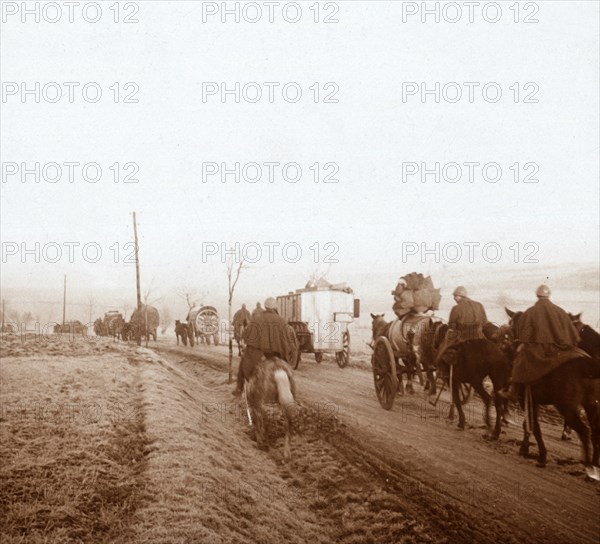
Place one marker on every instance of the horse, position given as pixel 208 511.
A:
pixel 590 343
pixel 181 330
pixel 412 348
pixel 590 339
pixel 114 327
pixel 127 332
pixel 272 382
pixel 99 328
pixel 570 386
pixel 472 361
pixel 238 336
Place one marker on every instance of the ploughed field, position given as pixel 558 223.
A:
pixel 102 441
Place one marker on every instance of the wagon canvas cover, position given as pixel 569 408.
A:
pixel 326 311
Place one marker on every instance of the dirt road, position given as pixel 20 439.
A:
pixel 379 469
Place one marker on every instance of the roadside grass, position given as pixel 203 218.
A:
pixel 71 448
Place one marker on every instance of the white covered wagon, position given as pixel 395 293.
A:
pixel 320 316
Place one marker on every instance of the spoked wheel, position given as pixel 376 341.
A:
pixel 319 356
pixel 384 373
pixel 342 358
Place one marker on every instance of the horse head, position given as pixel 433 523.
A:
pixel 514 318
pixel 378 326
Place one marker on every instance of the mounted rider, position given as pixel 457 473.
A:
pixel 241 318
pixel 547 338
pixel 267 335
pixel 257 311
pixel 466 322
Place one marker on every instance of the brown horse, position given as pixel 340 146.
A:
pixel 590 343
pixel 272 382
pixel 181 331
pixel 573 385
pixel 472 361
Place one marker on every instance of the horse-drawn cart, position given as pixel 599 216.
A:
pixel 320 316
pixel 204 321
pixel 407 346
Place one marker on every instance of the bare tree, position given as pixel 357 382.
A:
pixel 318 272
pixel 190 295
pixel 233 275
pixel 26 318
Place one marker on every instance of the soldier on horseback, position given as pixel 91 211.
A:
pixel 547 338
pixel 466 322
pixel 267 335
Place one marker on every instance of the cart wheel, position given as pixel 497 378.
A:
pixel 343 357
pixel 384 373
pixel 319 356
pixel 298 359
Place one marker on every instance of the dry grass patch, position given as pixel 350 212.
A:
pixel 208 480
pixel 71 445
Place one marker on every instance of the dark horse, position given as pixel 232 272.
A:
pixel 181 331
pixel 590 339
pixel 572 385
pixel 472 361
pixel 590 343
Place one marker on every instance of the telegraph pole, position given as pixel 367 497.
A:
pixel 137 264
pixel 64 300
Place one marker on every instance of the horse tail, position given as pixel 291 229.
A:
pixel 285 393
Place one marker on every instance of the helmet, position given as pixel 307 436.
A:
pixel 460 292
pixel 543 291
pixel 271 304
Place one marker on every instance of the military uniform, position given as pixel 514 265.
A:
pixel 466 322
pixel 467 319
pixel 257 311
pixel 268 335
pixel 549 339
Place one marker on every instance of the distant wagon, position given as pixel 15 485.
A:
pixel 204 321
pixel 144 323
pixel 113 323
pixel 71 327
pixel 320 314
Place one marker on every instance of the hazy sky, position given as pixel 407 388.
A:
pixel 373 221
